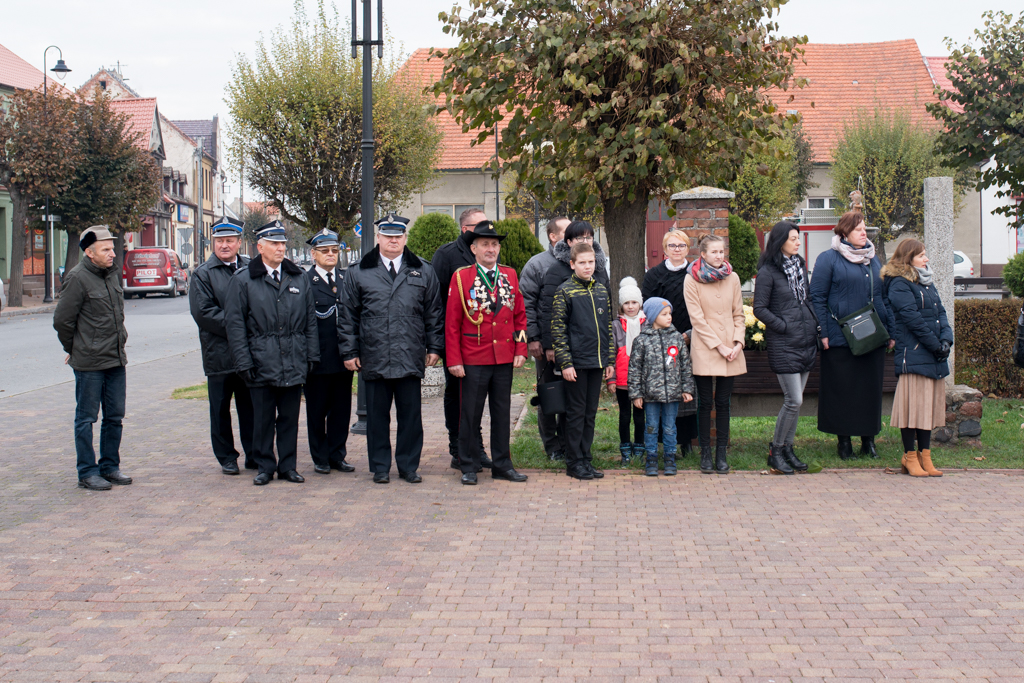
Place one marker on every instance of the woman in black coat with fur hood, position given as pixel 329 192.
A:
pixel 782 303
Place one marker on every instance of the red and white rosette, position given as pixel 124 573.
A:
pixel 673 351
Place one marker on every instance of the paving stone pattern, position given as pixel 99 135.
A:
pixel 189 575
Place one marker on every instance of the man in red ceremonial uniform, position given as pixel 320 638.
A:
pixel 485 338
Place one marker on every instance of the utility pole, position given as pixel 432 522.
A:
pixel 200 246
pixel 366 210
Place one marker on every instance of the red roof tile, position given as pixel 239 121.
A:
pixel 141 113
pixel 15 72
pixel 846 78
pixel 937 69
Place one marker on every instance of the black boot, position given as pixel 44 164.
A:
pixel 707 463
pixel 670 464
pixel 777 460
pixel 845 448
pixel 626 451
pixel 721 466
pixel 867 446
pixel 790 456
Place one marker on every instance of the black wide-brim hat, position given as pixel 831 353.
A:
pixel 485 229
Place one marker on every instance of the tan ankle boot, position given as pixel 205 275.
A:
pixel 912 465
pixel 926 464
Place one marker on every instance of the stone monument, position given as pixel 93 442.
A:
pixel 938 240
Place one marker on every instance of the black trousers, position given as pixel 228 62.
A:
pixel 453 413
pixel 328 410
pixel 721 387
pixel 276 409
pixel 581 401
pixel 220 389
pixel 405 393
pixel 551 427
pixel 492 383
pixel 628 411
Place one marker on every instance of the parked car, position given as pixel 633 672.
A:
pixel 153 271
pixel 962 266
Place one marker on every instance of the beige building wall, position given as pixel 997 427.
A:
pixel 454 192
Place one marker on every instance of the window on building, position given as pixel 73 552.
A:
pixel 821 203
pixel 446 209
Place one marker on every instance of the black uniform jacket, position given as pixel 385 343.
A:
pixel 206 296
pixel 272 327
pixel 327 301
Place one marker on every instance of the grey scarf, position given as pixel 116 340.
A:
pixel 925 275
pixel 795 275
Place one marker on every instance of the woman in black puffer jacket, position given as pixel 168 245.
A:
pixel 782 303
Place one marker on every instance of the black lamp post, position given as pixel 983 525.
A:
pixel 366 210
pixel 61 70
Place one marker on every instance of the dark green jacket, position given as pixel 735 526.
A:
pixel 581 325
pixel 90 317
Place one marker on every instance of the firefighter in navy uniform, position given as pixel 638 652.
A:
pixel 485 338
pixel 328 387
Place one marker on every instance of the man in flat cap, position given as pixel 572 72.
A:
pixel 271 324
pixel 390 331
pixel 90 326
pixel 206 297
pixel 329 386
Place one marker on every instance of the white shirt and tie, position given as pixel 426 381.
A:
pixel 393 266
pixel 274 273
pixel 327 276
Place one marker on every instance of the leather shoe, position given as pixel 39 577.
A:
pixel 115 477
pixel 343 466
pixel 411 477
pixel 508 475
pixel 867 446
pixel 263 478
pixel 845 448
pixel 469 479
pixel 381 478
pixel 96 483
pixel 322 469
pixel 292 476
pixel 579 472
pixel 485 462
pixel 229 468
pixel 595 473
pixel 454 464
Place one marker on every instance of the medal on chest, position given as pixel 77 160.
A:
pixel 670 356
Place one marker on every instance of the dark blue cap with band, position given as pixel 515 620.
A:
pixel 272 232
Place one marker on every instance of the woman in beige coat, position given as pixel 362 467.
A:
pixel 715 305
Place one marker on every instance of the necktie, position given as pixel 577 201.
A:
pixel 277 278
pixel 391 270
pixel 330 280
pixel 234 266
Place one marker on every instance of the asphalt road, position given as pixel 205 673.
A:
pixel 31 357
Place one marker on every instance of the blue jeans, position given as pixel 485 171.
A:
pixel 94 389
pixel 663 414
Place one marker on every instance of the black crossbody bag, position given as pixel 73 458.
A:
pixel 863 329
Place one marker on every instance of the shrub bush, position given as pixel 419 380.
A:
pixel 985 332
pixel 520 242
pixel 430 231
pixel 1013 275
pixel 744 251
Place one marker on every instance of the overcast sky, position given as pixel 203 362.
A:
pixel 182 52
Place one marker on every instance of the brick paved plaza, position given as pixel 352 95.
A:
pixel 189 575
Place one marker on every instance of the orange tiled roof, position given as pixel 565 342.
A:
pixel 140 113
pixel 846 78
pixel 937 69
pixel 271 210
pixel 15 72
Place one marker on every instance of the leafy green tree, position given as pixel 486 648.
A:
pixel 1013 275
pixel 520 242
pixel 116 183
pixel 744 250
pixel 770 184
pixel 297 122
pixel 988 84
pixel 254 217
pixel 887 156
pixel 430 231
pixel 38 158
pixel 611 102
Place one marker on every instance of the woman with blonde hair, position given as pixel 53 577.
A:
pixel 719 330
pixel 923 340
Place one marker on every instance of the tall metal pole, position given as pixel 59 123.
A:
pixel 366 209
pixel 497 178
pixel 197 241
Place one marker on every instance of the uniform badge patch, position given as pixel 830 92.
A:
pixel 293 290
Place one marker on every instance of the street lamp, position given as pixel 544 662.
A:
pixel 61 69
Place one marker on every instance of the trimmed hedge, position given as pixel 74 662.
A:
pixel 430 231
pixel 985 333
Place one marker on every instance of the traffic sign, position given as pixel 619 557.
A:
pixel 50 218
pixel 186 249
pixel 343 245
pixel 358 229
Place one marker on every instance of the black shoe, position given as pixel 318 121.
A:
pixel 251 465
pixel 508 475
pixel 95 482
pixel 558 456
pixel 721 466
pixel 777 463
pixel 485 462
pixel 454 464
pixel 594 473
pixel 322 469
pixel 867 446
pixel 411 477
pixel 845 448
pixel 794 462
pixel 229 468
pixel 707 463
pixel 263 478
pixel 381 478
pixel 469 479
pixel 343 466
pixel 579 472
pixel 292 476
pixel 115 477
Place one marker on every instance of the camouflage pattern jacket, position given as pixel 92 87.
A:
pixel 659 367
